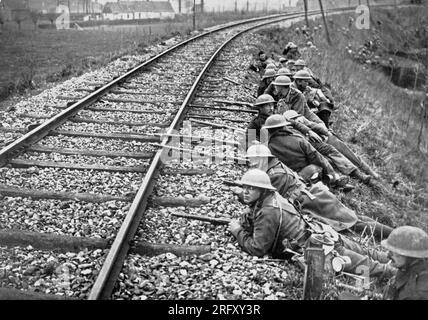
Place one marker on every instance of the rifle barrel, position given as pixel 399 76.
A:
pixel 202 218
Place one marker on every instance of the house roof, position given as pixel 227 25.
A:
pixel 138 6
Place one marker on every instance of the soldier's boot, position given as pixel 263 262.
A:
pixel 337 181
pixel 364 178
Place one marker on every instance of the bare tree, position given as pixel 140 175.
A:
pixel 35 16
pixel 51 16
pixel 2 18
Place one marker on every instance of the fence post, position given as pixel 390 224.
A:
pixel 314 271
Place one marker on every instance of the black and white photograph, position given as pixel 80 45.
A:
pixel 232 152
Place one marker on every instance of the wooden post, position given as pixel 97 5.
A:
pixel 305 3
pixel 313 281
pixel 371 13
pixel 325 23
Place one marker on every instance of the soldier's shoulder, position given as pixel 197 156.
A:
pixel 255 121
pixel 295 91
pixel 422 282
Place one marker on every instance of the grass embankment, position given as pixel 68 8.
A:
pixel 383 122
pixel 29 58
pixel 380 121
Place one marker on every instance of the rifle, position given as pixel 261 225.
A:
pixel 232 183
pixel 215 221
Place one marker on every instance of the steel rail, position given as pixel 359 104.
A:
pixel 42 130
pixel 113 263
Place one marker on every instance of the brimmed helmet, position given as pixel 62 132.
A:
pixel 269 73
pixel 291 45
pixel 290 115
pixel 257 178
pixel 275 121
pixel 302 75
pixel 264 99
pixel 408 241
pixel 258 150
pixel 284 72
pixel 300 63
pixel 282 81
pixel 270 66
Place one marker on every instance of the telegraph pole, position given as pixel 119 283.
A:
pixel 194 15
pixel 325 23
pixel 305 3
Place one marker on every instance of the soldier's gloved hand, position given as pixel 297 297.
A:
pixel 234 227
pixel 314 137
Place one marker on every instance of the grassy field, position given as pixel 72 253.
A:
pixel 29 58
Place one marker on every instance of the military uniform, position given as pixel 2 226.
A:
pixel 292 149
pixel 254 127
pixel 304 126
pixel 319 103
pixel 343 164
pixel 291 54
pixel 410 283
pixel 260 65
pixel 273 223
pixel 263 85
pixel 295 100
pixel 319 202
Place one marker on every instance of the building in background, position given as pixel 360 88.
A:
pixel 74 6
pixel 136 10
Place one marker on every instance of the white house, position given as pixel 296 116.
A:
pixel 135 10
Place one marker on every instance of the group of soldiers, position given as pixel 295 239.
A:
pixel 294 160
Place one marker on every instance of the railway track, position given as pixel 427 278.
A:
pixel 72 198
